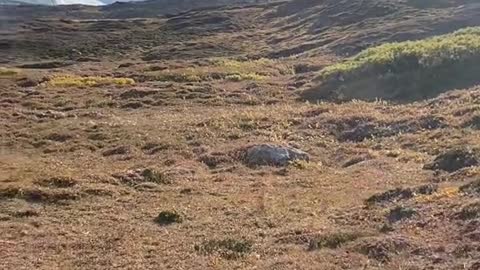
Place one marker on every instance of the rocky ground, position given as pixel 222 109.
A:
pixel 211 159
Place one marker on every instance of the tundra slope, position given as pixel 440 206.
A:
pixel 123 144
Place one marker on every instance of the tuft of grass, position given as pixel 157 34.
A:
pixel 168 217
pixel 157 177
pixel 410 69
pixel 300 164
pixel 89 81
pixel 227 248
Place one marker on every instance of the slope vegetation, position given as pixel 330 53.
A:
pixel 405 71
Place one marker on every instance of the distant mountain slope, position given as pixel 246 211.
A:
pixel 152 8
pixel 204 28
pixel 157 6
pixel 349 26
pixel 52 2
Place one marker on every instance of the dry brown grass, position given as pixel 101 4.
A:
pixel 119 177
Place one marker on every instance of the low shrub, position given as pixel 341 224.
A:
pixel 404 71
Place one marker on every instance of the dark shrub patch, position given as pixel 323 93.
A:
pixel 454 160
pixel 228 248
pixel 168 217
pixel 333 240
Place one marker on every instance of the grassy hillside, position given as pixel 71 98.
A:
pixel 405 70
pixel 179 142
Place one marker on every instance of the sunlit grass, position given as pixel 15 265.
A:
pixel 448 192
pixel 8 72
pixel 90 81
pixel 226 69
pixel 404 56
pixel 245 77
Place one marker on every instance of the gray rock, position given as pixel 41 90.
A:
pixel 273 155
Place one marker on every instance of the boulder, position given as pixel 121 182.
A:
pixel 273 155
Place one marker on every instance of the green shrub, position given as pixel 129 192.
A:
pixel 407 70
pixel 168 217
pixel 402 56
